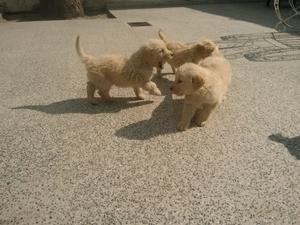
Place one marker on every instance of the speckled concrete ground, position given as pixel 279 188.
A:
pixel 64 161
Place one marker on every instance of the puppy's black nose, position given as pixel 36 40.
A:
pixel 171 89
pixel 172 54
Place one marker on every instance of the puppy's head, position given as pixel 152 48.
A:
pixel 189 78
pixel 155 53
pixel 204 48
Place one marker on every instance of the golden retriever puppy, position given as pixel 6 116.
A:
pixel 186 53
pixel 203 86
pixel 193 53
pixel 136 71
pixel 172 45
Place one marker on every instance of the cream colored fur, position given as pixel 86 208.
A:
pixel 204 87
pixel 172 45
pixel 186 53
pixel 136 71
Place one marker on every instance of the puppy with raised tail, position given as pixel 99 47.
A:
pixel 186 53
pixel 204 87
pixel 136 71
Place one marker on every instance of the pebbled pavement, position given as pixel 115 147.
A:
pixel 64 161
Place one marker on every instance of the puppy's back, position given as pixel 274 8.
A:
pixel 107 65
pixel 219 66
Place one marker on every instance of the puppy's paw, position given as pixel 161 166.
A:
pixel 140 97
pixel 156 92
pixel 182 126
pixel 200 123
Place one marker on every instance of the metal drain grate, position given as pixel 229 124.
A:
pixel 139 24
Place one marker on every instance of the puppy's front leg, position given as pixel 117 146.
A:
pixel 139 93
pixel 173 69
pixel 152 88
pixel 187 114
pixel 203 115
pixel 158 72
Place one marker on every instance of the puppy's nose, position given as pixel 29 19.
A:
pixel 171 88
pixel 172 54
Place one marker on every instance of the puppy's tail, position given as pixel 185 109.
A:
pixel 162 36
pixel 82 55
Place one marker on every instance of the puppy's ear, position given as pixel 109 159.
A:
pixel 209 47
pixel 200 47
pixel 197 81
pixel 145 48
pixel 144 52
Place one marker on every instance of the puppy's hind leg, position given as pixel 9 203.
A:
pixel 103 89
pixel 139 93
pixel 202 115
pixel 90 89
pixel 104 92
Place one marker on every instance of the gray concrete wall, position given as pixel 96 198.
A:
pixel 19 5
pixel 27 5
pixel 94 4
pixel 149 3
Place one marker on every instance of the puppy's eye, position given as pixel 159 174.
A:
pixel 179 81
pixel 162 50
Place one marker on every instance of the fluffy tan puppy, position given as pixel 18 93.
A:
pixel 136 71
pixel 172 45
pixel 203 86
pixel 186 53
pixel 193 53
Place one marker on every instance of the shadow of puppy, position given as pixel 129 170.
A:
pixel 163 121
pixel 81 105
pixel 292 144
